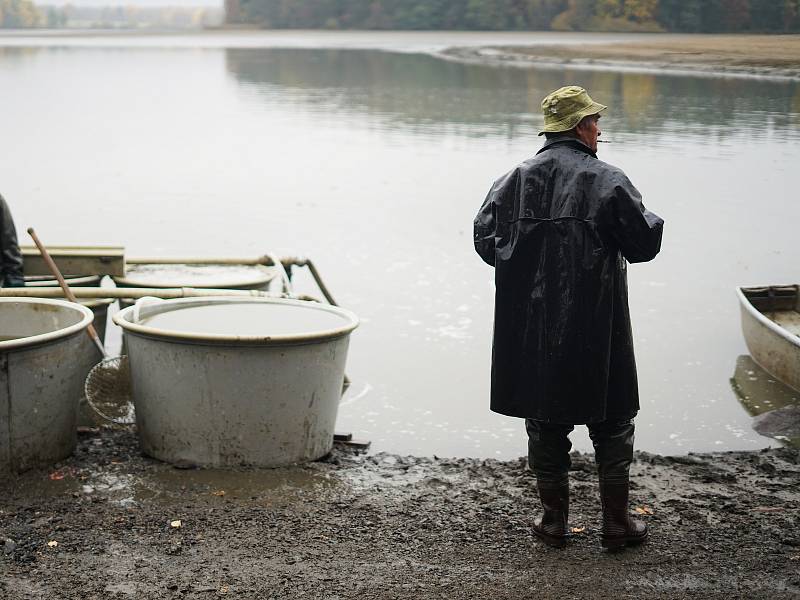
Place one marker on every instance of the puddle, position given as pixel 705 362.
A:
pixel 271 485
pixel 162 483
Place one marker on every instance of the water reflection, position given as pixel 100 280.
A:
pixel 775 405
pixel 420 91
pixel 403 91
pixel 18 58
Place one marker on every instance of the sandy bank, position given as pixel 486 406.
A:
pixel 386 526
pixel 771 56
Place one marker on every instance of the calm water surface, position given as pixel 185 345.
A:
pixel 371 156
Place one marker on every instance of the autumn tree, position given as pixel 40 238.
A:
pixel 640 11
pixel 19 14
pixel 576 15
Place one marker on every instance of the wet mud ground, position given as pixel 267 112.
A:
pixel 111 523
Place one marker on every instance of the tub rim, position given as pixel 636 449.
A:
pixel 97 302
pixel 34 340
pixel 121 319
pixel 46 281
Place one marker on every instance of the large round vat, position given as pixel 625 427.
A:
pixel 99 306
pixel 222 382
pixel 41 379
pixel 229 277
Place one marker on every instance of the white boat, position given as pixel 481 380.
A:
pixel 771 327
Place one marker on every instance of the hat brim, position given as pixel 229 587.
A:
pixel 572 120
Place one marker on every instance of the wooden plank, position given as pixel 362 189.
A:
pixel 357 444
pixel 76 260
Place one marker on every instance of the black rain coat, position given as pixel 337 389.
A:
pixel 558 230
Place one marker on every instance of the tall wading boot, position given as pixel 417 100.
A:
pixel 552 527
pixel 619 529
pixel 613 447
pixel 548 456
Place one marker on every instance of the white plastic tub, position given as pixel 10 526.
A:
pixel 230 277
pixel 227 381
pixel 43 355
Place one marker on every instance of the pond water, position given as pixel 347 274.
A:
pixel 371 156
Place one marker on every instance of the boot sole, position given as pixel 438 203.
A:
pixel 620 543
pixel 550 540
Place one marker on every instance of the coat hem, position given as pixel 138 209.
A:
pixel 589 421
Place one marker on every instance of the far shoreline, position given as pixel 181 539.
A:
pixel 728 55
pixel 740 55
pixel 760 56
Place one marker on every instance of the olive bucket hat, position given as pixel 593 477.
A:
pixel 564 108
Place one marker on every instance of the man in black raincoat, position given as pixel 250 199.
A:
pixel 10 256
pixel 559 230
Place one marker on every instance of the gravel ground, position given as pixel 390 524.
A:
pixel 110 523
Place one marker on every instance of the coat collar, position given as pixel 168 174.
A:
pixel 567 140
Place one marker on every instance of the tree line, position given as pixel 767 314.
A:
pixel 21 14
pixel 708 16
pixel 18 14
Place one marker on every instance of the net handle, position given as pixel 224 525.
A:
pixel 65 286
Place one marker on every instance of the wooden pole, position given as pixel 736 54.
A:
pixel 67 291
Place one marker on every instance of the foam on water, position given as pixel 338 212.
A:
pixel 157 275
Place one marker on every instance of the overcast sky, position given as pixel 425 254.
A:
pixel 130 2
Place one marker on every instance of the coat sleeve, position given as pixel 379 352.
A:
pixel 486 223
pixel 10 256
pixel 636 230
pixel 485 228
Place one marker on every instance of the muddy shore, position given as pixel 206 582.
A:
pixel 773 56
pixel 111 523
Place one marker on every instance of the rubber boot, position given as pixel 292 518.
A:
pixel 548 456
pixel 619 529
pixel 552 527
pixel 613 447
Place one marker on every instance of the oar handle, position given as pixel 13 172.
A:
pixel 64 286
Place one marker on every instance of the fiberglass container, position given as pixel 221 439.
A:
pixel 44 351
pixel 222 382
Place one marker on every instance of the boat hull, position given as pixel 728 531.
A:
pixel 772 347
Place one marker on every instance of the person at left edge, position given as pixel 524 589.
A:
pixel 10 256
